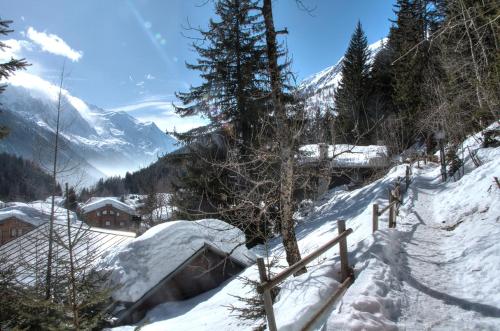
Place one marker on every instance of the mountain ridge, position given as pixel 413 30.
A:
pixel 97 141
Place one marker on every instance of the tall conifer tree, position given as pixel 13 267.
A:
pixel 351 95
pixel 231 64
pixel 407 44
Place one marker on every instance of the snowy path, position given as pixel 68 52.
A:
pixel 433 295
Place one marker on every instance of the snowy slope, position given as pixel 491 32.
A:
pixel 437 270
pixel 319 89
pixel 99 141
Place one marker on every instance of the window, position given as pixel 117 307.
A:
pixel 98 213
pixel 13 233
pixel 108 223
pixel 104 212
pixel 117 213
pixel 111 212
pixel 122 223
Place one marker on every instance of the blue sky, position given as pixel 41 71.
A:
pixel 130 54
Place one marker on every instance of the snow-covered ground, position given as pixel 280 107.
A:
pixel 437 270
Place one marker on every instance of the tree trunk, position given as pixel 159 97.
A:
pixel 48 276
pixel 285 141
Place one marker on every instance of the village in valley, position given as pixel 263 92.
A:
pixel 246 172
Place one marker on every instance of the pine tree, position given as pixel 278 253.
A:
pixel 8 68
pixel 380 102
pixel 71 201
pixel 231 64
pixel 408 47
pixel 233 96
pixel 351 95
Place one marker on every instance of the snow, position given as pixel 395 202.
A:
pixel 28 252
pixel 319 88
pixel 25 214
pixel 142 263
pixel 96 203
pixel 344 155
pixel 35 213
pixel 437 270
pixel 97 140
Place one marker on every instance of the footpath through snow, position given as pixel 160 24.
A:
pixel 439 270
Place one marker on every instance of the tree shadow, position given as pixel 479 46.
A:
pixel 405 271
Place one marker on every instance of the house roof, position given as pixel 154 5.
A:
pixel 96 203
pixel 145 261
pixel 28 253
pixel 24 213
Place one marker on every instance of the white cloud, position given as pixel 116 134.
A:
pixel 14 49
pixel 150 77
pixel 163 115
pixel 141 83
pixel 54 44
pixel 163 105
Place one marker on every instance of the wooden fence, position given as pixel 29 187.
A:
pixel 267 284
pixel 395 200
pixel 347 275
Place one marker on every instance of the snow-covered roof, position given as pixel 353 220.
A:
pixel 24 213
pixel 96 203
pixel 346 156
pixel 28 252
pixel 145 261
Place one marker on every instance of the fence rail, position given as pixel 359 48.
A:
pixel 266 285
pixel 395 200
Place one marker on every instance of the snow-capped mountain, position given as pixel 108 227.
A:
pixel 94 141
pixel 319 89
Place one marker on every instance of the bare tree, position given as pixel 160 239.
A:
pixel 285 140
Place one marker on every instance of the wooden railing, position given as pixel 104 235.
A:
pixel 267 284
pixel 395 200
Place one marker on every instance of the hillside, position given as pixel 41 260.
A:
pixel 97 141
pixel 22 180
pixel 437 268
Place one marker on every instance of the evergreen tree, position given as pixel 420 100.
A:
pixel 8 68
pixel 471 58
pixel 408 47
pixel 233 96
pixel 231 64
pixel 380 102
pixel 351 95
pixel 71 200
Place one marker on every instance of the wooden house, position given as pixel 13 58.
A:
pixel 18 220
pixel 110 213
pixel 206 269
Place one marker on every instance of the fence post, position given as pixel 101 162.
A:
pixel 391 210
pixel 375 217
pixel 268 301
pixel 407 177
pixel 344 262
